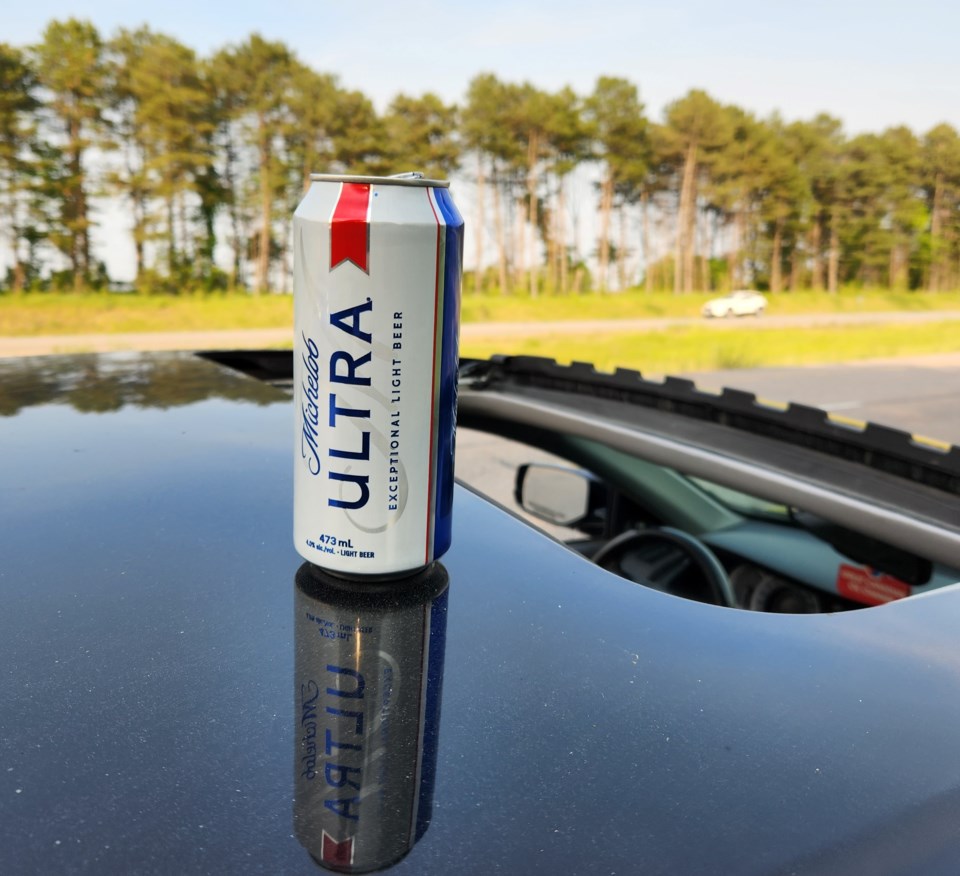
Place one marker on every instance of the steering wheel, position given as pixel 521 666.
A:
pixel 662 557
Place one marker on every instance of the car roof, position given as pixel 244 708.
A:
pixel 587 724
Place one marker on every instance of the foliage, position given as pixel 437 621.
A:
pixel 65 313
pixel 162 110
pixel 421 133
pixel 71 70
pixel 216 151
pixel 18 176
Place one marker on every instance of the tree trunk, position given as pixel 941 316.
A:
pixel 139 216
pixel 171 239
pixel 550 232
pixel 702 263
pixel 263 246
pixel 739 272
pixel 576 250
pixel 533 152
pixel 645 242
pixel 138 247
pixel 833 268
pixel 895 271
pixel 936 244
pixel 84 226
pixel 776 269
pixel 795 268
pixel 16 235
pixel 691 225
pixel 622 250
pixel 816 281
pixel 713 223
pixel 186 248
pixel 606 208
pixel 562 236
pixel 732 252
pixel 229 177
pixel 285 261
pixel 947 277
pixel 76 209
pixel 481 185
pixel 519 244
pixel 501 236
pixel 682 263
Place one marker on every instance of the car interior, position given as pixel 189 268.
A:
pixel 685 535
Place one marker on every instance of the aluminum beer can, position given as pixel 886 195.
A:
pixel 377 272
pixel 369 672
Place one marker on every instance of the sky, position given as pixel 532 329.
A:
pixel 872 63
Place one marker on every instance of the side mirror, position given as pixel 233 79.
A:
pixel 562 496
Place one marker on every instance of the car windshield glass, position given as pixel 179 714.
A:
pixel 743 503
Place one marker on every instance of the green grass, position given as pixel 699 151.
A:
pixel 703 349
pixel 693 348
pixel 638 305
pixel 63 314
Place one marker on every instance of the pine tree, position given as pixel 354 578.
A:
pixel 165 115
pixel 255 81
pixel 696 129
pixel 72 72
pixel 621 133
pixel 487 135
pixel 17 106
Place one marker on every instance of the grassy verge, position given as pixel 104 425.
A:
pixel 52 314
pixel 638 305
pixel 62 314
pixel 701 349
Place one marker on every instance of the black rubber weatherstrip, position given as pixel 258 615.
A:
pixel 882 448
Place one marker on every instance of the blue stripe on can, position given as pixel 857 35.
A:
pixel 449 361
pixel 431 713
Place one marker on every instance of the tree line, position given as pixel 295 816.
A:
pixel 208 152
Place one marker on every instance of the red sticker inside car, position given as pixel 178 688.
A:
pixel 871 588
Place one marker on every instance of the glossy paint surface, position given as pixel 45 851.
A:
pixel 587 724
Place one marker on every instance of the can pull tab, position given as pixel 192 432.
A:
pixel 410 174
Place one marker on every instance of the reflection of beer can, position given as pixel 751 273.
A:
pixel 369 668
pixel 377 265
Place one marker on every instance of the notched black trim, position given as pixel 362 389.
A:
pixel 885 449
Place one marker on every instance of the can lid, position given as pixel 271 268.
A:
pixel 412 178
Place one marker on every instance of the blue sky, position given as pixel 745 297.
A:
pixel 873 64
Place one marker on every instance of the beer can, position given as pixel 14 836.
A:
pixel 369 672
pixel 377 272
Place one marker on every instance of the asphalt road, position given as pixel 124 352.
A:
pixel 920 395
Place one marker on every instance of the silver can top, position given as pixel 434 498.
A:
pixel 413 178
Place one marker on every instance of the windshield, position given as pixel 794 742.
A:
pixel 743 503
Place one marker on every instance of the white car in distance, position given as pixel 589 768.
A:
pixel 742 302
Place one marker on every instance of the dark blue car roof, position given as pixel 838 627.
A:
pixel 588 725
